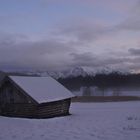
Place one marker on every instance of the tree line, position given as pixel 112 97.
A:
pixel 113 79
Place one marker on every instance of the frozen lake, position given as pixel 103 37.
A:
pixel 110 91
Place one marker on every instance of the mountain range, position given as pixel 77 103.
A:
pixel 75 72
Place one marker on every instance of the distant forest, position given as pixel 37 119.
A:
pixel 101 80
pixel 114 79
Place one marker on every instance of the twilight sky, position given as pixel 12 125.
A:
pixel 63 34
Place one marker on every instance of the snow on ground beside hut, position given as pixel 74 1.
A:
pixel 89 121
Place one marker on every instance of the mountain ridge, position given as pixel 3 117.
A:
pixel 74 72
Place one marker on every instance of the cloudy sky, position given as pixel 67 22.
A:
pixel 63 34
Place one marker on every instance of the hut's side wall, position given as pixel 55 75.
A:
pixel 25 110
pixel 14 103
pixel 44 110
pixel 10 94
pixel 53 109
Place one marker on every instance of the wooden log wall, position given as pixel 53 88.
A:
pixel 44 110
pixel 19 110
pixel 52 109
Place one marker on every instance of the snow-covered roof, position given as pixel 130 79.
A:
pixel 42 89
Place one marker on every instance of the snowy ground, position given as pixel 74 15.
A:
pixel 90 121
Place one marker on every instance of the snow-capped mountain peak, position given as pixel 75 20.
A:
pixel 74 72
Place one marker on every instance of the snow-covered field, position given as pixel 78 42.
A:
pixel 89 121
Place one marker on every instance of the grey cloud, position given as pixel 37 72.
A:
pixel 55 54
pixel 90 60
pixel 86 30
pixel 133 66
pixel 135 52
pixel 126 63
pixel 84 59
pixel 83 31
pixel 29 54
pixel 132 22
pixel 135 61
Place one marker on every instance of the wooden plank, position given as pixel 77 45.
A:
pixel 45 110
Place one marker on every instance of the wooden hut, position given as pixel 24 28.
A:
pixel 33 97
